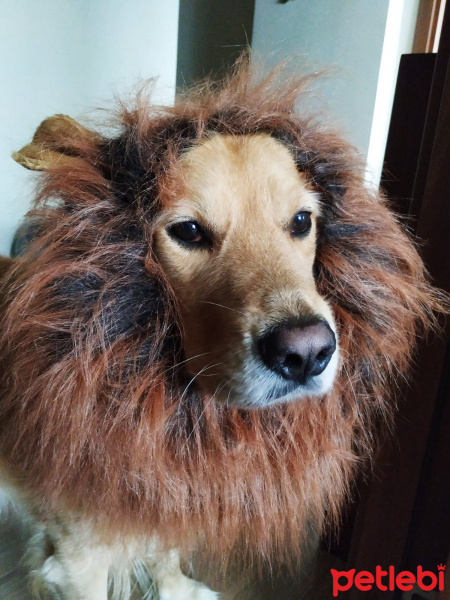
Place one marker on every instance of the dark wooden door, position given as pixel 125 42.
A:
pixel 403 518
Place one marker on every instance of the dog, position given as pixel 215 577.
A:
pixel 198 340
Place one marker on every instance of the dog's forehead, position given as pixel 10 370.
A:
pixel 227 174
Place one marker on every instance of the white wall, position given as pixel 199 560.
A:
pixel 351 37
pixel 345 36
pixel 71 56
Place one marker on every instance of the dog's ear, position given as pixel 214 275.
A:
pixel 47 149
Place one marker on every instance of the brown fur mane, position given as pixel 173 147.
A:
pixel 94 414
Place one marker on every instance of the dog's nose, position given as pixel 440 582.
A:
pixel 298 351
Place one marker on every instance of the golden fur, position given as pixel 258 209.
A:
pixel 108 322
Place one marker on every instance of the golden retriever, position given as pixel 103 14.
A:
pixel 195 344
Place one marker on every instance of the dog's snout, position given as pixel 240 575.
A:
pixel 298 351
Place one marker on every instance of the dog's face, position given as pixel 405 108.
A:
pixel 238 250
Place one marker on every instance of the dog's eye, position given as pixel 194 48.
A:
pixel 301 224
pixel 189 233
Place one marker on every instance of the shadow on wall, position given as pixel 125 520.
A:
pixel 210 36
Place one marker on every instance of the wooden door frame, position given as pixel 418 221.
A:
pixel 427 25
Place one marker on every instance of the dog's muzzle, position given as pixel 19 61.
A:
pixel 298 351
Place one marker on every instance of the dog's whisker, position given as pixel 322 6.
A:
pixel 223 306
pixel 179 364
pixel 196 424
pixel 183 395
pixel 227 400
pixel 351 385
pixel 202 370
